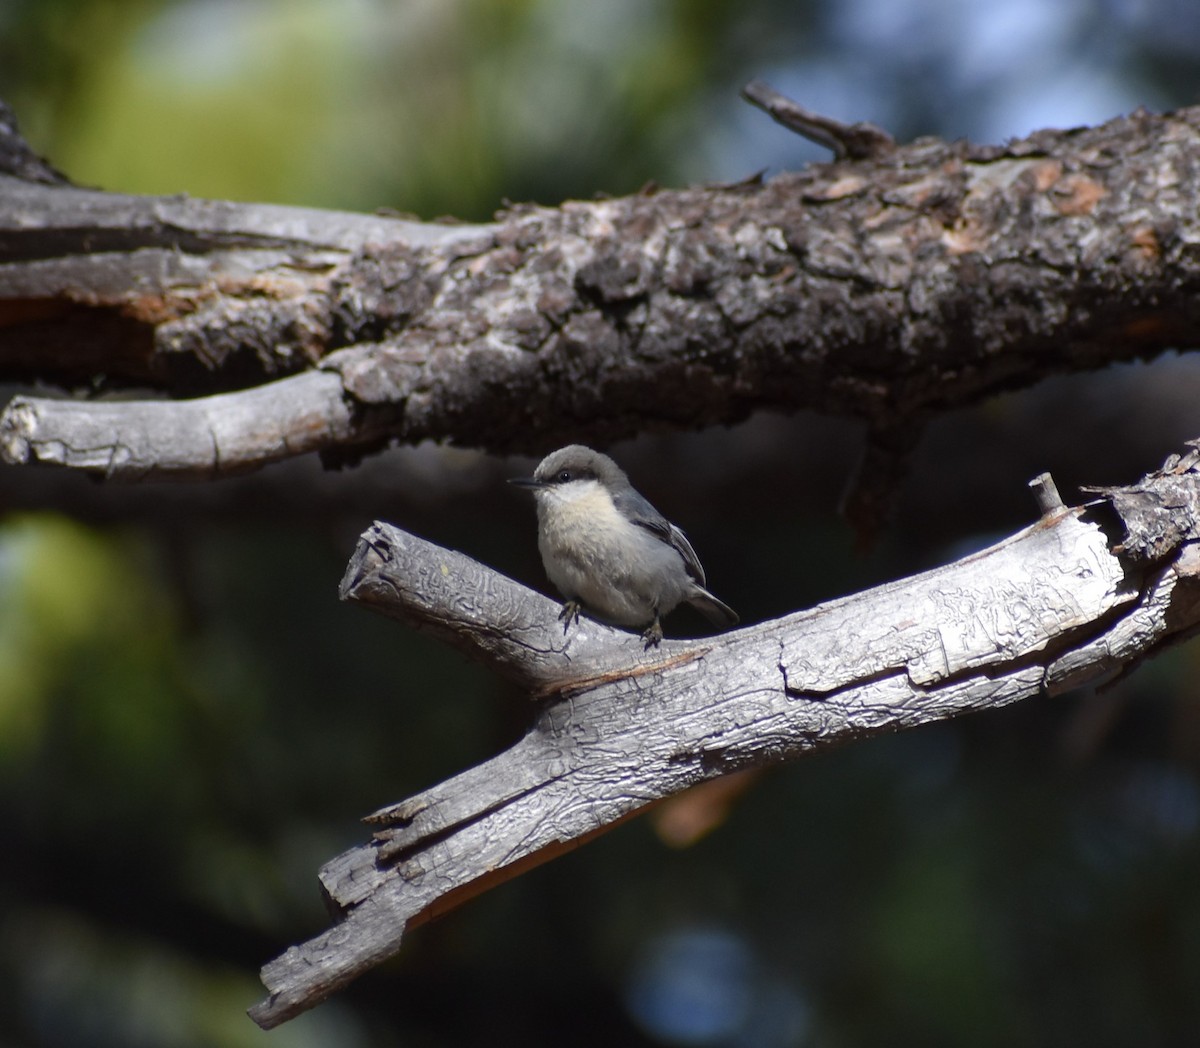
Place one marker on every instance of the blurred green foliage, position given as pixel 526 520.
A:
pixel 190 724
pixel 429 107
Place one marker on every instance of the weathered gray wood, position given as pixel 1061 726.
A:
pixel 1052 607
pixel 177 440
pixel 512 629
pixel 1045 494
pixel 886 288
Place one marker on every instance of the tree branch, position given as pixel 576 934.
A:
pixel 191 439
pixel 887 288
pixel 1055 606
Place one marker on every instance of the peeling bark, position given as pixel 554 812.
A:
pixel 1083 594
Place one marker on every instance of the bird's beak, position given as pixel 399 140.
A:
pixel 526 482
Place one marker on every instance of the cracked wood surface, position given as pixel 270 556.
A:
pixel 886 288
pixel 1084 593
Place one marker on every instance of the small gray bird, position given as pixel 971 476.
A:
pixel 609 551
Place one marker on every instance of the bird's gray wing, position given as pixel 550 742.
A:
pixel 633 505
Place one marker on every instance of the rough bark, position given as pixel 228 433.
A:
pixel 1082 594
pixel 887 287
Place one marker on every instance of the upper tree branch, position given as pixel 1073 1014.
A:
pixel 1054 606
pixel 886 288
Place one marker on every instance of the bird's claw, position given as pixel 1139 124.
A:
pixel 652 635
pixel 569 613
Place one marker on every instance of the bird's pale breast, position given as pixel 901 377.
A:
pixel 618 571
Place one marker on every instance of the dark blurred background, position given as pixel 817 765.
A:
pixel 190 722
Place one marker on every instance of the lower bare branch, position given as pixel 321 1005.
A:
pixel 1048 609
pixel 182 439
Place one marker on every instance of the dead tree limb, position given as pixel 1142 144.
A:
pixel 1083 594
pixel 887 287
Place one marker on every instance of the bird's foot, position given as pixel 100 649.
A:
pixel 652 635
pixel 569 614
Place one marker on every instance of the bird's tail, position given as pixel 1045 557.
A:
pixel 716 611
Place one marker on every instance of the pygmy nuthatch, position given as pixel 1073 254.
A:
pixel 609 551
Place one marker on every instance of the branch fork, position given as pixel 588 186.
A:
pixel 1054 606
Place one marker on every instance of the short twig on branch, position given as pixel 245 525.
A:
pixel 1045 494
pixel 848 141
pixel 1048 609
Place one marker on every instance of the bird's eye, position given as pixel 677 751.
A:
pixel 564 475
